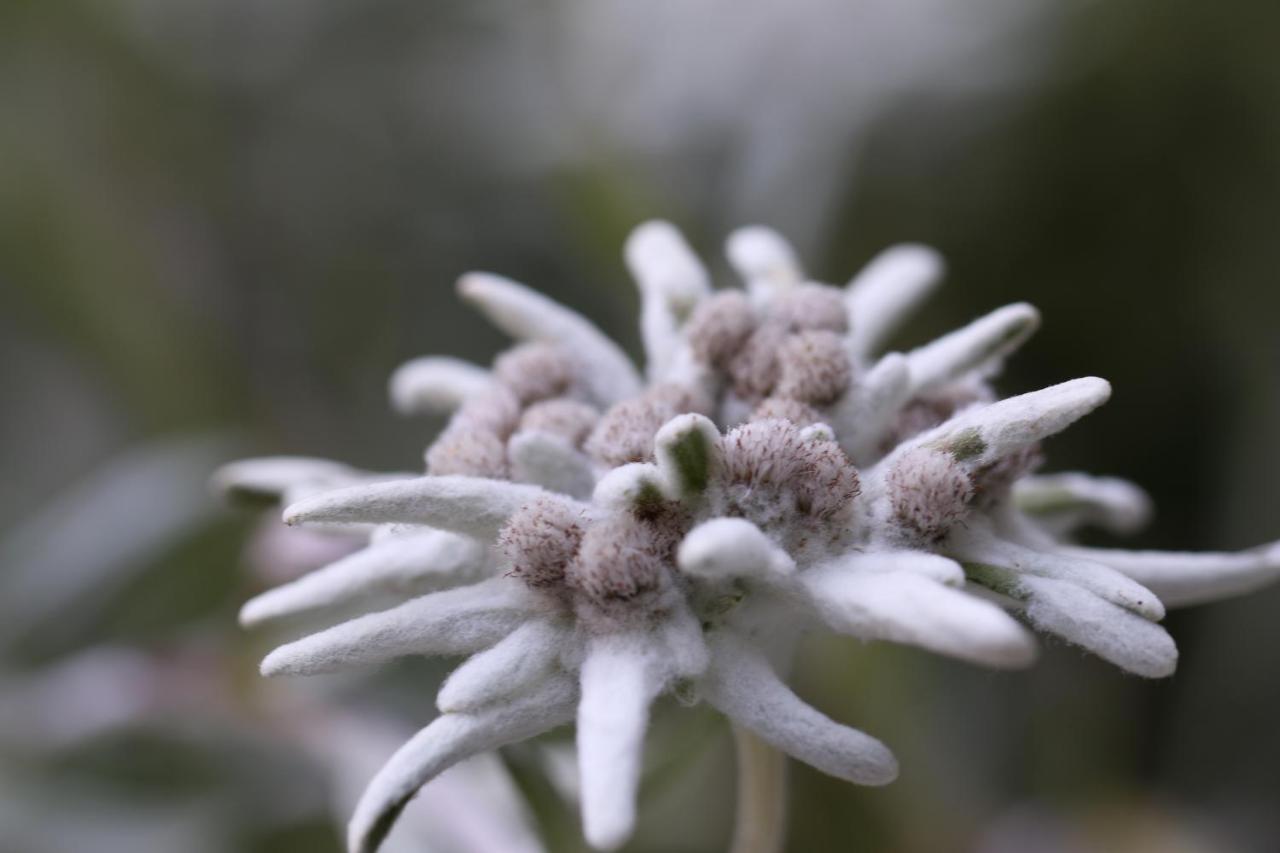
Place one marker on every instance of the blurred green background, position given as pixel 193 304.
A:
pixel 222 224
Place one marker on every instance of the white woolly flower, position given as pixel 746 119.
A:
pixel 590 540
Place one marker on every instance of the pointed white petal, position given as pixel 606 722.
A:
pixel 271 478
pixel 523 657
pixel 456 621
pixel 732 548
pixel 933 566
pixel 405 565
pixel 978 345
pixel 448 740
pixel 672 281
pixel 550 461
pixel 1112 633
pixel 1067 501
pixel 887 290
pixel 863 415
pixel 471 505
pixel 904 607
pixel 973 543
pixel 436 384
pixel 980 436
pixel 619 682
pixel 688 453
pixel 661 262
pixel 764 259
pixel 743 686
pixel 529 316
pixel 1182 579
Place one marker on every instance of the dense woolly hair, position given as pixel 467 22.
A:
pixel 541 540
pixel 812 307
pixel 495 410
pixel 813 367
pixel 625 433
pixel 569 419
pixel 719 327
pixel 929 493
pixel 786 481
pixel 468 453
pixel 534 372
pixel 624 561
pixel 786 409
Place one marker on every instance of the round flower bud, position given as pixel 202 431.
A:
pixel 813 307
pixel 496 411
pixel 774 475
pixel 469 453
pixel 536 371
pixel 719 327
pixel 625 434
pixel 622 558
pixel 786 409
pixel 814 367
pixel 929 493
pixel 540 542
pixel 754 368
pixel 831 482
pixel 567 418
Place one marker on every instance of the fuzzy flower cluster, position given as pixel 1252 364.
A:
pixel 589 538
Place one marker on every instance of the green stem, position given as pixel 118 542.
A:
pixel 761 823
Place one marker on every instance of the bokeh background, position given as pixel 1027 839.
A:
pixel 224 222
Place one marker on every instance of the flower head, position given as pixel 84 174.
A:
pixel 590 540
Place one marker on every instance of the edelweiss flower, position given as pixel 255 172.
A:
pixel 606 540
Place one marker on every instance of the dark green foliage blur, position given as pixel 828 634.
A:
pixel 222 225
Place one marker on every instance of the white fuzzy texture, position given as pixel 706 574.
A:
pixel 765 260
pixel 978 345
pixel 924 563
pixel 862 417
pixel 436 384
pixel 1182 579
pixel 992 432
pixel 619 682
pixel 550 461
pixel 732 548
pixel 688 452
pixel 622 488
pixel 683 645
pixel 448 740
pixel 742 685
pixel 283 477
pixel 516 663
pixel 975 543
pixel 1112 633
pixel 471 505
pixel 527 315
pixel 1070 500
pixel 672 282
pixel 454 622
pixel 905 607
pixel 402 565
pixel 885 293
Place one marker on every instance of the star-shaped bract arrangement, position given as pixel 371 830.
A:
pixel 590 539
